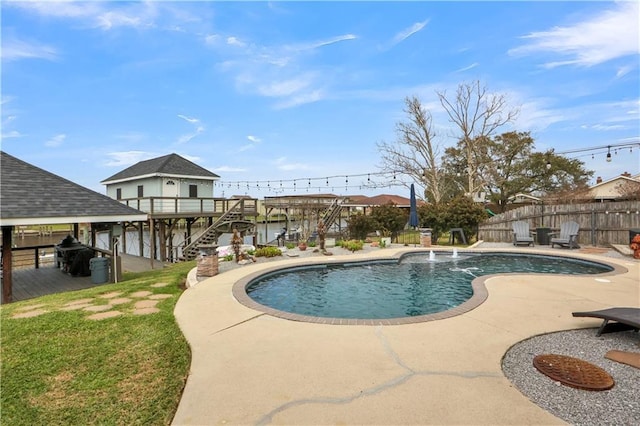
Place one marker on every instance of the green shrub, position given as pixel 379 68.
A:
pixel 290 246
pixel 268 252
pixel 352 245
pixel 228 258
pixel 312 244
pixel 359 225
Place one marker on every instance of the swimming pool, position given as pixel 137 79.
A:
pixel 415 285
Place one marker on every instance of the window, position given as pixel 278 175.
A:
pixel 140 191
pixel 118 193
pixel 193 191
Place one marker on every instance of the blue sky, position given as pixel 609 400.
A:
pixel 260 92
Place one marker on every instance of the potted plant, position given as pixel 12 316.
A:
pixel 635 246
pixel 385 237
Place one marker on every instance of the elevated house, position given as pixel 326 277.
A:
pixel 160 181
pixel 172 189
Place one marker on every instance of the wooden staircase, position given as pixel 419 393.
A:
pixel 232 219
pixel 333 212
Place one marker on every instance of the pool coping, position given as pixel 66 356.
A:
pixel 480 292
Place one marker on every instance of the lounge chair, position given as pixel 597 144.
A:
pixel 625 319
pixel 521 233
pixel 567 237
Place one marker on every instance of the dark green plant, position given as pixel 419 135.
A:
pixel 461 212
pixel 389 219
pixel 268 252
pixel 359 225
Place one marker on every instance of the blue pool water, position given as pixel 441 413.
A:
pixel 413 286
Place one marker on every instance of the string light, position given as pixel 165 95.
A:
pixel 372 181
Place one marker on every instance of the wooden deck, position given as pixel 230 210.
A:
pixel 29 283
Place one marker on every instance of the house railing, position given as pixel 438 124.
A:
pixel 188 205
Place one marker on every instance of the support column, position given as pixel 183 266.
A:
pixel 7 281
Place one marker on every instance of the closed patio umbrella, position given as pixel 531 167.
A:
pixel 413 209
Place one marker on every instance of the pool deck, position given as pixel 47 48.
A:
pixel 249 367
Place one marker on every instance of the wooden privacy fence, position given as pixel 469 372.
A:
pixel 601 224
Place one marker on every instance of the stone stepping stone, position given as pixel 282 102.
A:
pixel 158 285
pixel 104 315
pixel 146 304
pixel 30 314
pixel 28 308
pixel 75 307
pixel 98 308
pixel 143 293
pixel 120 301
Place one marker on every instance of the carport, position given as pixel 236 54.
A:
pixel 33 196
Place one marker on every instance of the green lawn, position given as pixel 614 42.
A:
pixel 62 368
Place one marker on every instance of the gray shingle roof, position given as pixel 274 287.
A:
pixel 30 195
pixel 168 165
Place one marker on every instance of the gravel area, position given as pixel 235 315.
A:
pixel 618 406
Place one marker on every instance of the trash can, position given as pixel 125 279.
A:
pixel 542 236
pixel 425 237
pixel 99 267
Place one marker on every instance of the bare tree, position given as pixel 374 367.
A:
pixel 477 114
pixel 414 152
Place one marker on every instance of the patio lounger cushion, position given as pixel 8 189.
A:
pixel 625 319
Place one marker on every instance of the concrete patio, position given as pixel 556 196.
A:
pixel 252 368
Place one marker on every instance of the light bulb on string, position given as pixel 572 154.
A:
pixel 608 154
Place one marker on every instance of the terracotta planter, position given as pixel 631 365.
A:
pixel 302 246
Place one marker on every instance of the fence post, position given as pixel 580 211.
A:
pixel 593 227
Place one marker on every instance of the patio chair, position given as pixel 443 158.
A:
pixel 625 319
pixel 567 237
pixel 521 233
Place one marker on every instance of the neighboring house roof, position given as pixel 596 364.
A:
pixel 378 200
pixel 610 189
pixel 33 196
pixel 171 165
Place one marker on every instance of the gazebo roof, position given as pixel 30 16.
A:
pixel 33 196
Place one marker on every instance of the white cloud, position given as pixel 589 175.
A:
pixel 189 119
pixel 13 50
pixel 622 71
pixel 12 134
pixel 127 158
pixel 56 141
pixel 405 34
pixel 282 164
pixel 285 87
pixel 234 41
pixel 467 68
pixel 103 15
pixel 408 32
pixel 229 169
pixel 613 33
pixel 199 129
pixel 322 43
pixel 254 139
